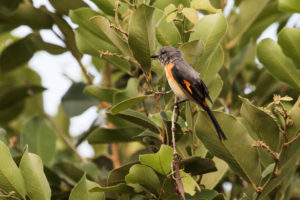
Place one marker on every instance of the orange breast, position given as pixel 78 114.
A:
pixel 168 68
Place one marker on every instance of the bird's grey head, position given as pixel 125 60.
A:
pixel 168 54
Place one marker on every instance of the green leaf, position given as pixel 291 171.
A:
pixel 11 177
pixel 64 6
pixel 82 17
pixel 114 38
pixel 40 138
pixel 280 66
pixel 13 99
pixel 163 4
pixel 249 11
pixel 268 170
pixel 119 188
pixel 100 93
pixel 211 30
pixel 192 52
pixel 141 38
pixel 81 191
pixel 27 14
pixel 189 184
pixel 24 48
pixel 73 171
pixel 289 40
pixel 197 166
pixel 75 102
pixel 204 5
pixel 117 176
pixel 104 135
pixel 289 6
pixel 191 14
pixel 258 119
pixel 240 156
pixel 107 6
pixel 210 180
pixel 36 183
pixel 160 161
pixel 215 86
pixel 130 91
pixel 144 176
pixel 139 119
pixel 166 32
pixel 128 103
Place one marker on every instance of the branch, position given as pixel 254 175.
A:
pixel 176 158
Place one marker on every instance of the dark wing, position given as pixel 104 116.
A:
pixel 190 81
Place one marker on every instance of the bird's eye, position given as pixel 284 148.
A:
pixel 163 52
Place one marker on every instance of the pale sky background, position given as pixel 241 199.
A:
pixel 53 70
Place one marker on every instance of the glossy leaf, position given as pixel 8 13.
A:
pixel 63 6
pixel 81 191
pixel 211 30
pixel 241 157
pixel 27 14
pixel 114 38
pixel 192 52
pixel 40 138
pixel 128 103
pixel 189 184
pixel 75 102
pixel 24 47
pixel 11 177
pixel 100 93
pixel 117 176
pixel 215 86
pixel 289 40
pixel 139 119
pixel 166 32
pixel 289 6
pixel 119 188
pixel 145 176
pixel 142 35
pixel 103 135
pixel 12 100
pixel 160 161
pixel 204 5
pixel 249 11
pixel 106 6
pixel 196 165
pixel 191 14
pixel 280 66
pixel 210 180
pixel 36 183
pixel 258 119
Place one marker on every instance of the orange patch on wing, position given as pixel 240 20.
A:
pixel 188 86
pixel 204 103
pixel 168 68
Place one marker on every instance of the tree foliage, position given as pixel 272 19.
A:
pixel 254 87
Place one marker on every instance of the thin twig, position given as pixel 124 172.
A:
pixel 176 158
pixel 119 28
pixel 53 124
pixel 85 73
pixel 266 147
pixel 292 140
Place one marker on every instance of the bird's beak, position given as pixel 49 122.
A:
pixel 154 56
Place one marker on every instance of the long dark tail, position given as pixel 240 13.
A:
pixel 214 120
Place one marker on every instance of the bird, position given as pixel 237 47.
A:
pixel 185 82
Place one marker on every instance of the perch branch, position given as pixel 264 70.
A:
pixel 266 147
pixel 118 27
pixel 176 158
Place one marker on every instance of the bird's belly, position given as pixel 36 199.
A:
pixel 177 89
